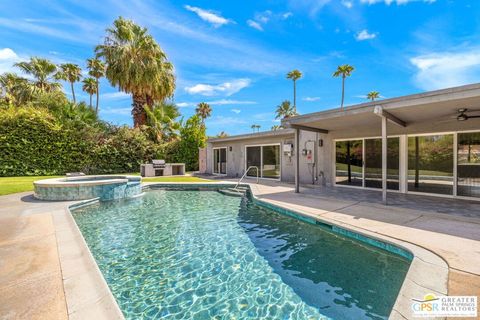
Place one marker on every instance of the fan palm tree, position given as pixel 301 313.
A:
pixel 343 71
pixel 15 90
pixel 203 110
pixel 294 75
pixel 136 64
pixel 43 72
pixel 372 95
pixel 285 110
pixel 90 87
pixel 96 69
pixel 72 73
pixel 222 134
pixel 276 127
pixel 162 121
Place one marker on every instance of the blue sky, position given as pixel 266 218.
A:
pixel 235 54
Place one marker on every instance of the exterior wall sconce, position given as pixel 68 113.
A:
pixel 320 142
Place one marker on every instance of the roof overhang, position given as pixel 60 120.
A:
pixel 258 135
pixel 439 106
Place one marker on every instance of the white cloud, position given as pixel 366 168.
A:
pixel 254 25
pixel 209 16
pixel 347 4
pixel 115 96
pixel 447 69
pixel 365 35
pixel 221 102
pixel 228 121
pixel 226 88
pixel 7 58
pixel 287 15
pixel 119 111
pixel 397 2
pixel 237 111
pixel 310 99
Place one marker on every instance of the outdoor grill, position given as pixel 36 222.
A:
pixel 158 164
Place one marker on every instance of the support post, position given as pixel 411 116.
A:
pixel 384 159
pixel 297 160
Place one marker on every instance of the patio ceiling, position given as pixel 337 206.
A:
pixel 435 110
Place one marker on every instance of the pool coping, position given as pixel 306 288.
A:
pixel 428 272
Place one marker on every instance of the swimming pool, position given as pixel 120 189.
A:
pixel 199 254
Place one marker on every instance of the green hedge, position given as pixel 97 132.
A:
pixel 33 142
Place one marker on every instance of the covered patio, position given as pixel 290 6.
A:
pixel 426 143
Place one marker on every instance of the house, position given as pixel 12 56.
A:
pixel 427 143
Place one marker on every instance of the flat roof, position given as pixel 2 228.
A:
pixel 264 134
pixel 439 105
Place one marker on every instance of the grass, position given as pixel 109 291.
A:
pixel 9 185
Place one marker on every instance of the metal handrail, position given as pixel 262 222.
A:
pixel 246 171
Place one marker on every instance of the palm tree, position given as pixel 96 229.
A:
pixel 90 87
pixel 222 134
pixel 285 110
pixel 43 72
pixel 203 110
pixel 162 120
pixel 276 127
pixel 258 127
pixel 70 72
pixel 294 75
pixel 96 69
pixel 15 90
pixel 344 71
pixel 372 95
pixel 253 126
pixel 136 64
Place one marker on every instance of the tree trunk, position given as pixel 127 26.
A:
pixel 138 111
pixel 295 96
pixel 73 92
pixel 343 91
pixel 96 102
pixel 90 101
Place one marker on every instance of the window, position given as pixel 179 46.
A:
pixel 349 162
pixel 430 164
pixel 468 164
pixel 266 158
pixel 220 161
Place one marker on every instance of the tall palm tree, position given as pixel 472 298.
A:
pixel 43 72
pixel 96 69
pixel 343 71
pixel 15 90
pixel 90 87
pixel 136 64
pixel 285 110
pixel 372 95
pixel 294 75
pixel 222 134
pixel 70 72
pixel 253 126
pixel 258 127
pixel 203 110
pixel 162 120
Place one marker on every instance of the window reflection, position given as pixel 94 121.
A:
pixel 349 162
pixel 468 166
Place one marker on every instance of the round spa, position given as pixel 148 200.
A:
pixel 88 187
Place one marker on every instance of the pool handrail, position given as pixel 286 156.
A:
pixel 243 176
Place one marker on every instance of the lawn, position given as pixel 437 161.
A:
pixel 10 185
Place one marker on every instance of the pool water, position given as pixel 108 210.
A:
pixel 203 255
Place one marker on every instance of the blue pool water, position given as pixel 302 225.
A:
pixel 204 255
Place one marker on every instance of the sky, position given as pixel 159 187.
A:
pixel 234 55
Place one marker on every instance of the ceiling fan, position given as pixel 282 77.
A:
pixel 462 114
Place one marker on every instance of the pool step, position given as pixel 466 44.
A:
pixel 232 192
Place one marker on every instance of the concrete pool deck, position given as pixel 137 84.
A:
pixel 47 271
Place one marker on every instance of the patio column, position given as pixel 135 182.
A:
pixel 384 159
pixel 297 160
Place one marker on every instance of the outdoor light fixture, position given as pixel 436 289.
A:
pixel 230 148
pixel 320 142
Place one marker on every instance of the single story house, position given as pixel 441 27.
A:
pixel 427 143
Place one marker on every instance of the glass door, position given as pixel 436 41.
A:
pixel 220 161
pixel 253 158
pixel 468 164
pixel 349 163
pixel 271 162
pixel 373 163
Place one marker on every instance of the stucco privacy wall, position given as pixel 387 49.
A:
pixel 308 173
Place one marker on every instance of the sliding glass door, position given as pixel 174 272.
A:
pixel 430 164
pixel 468 164
pixel 349 162
pixel 220 161
pixel 373 163
pixel 266 158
